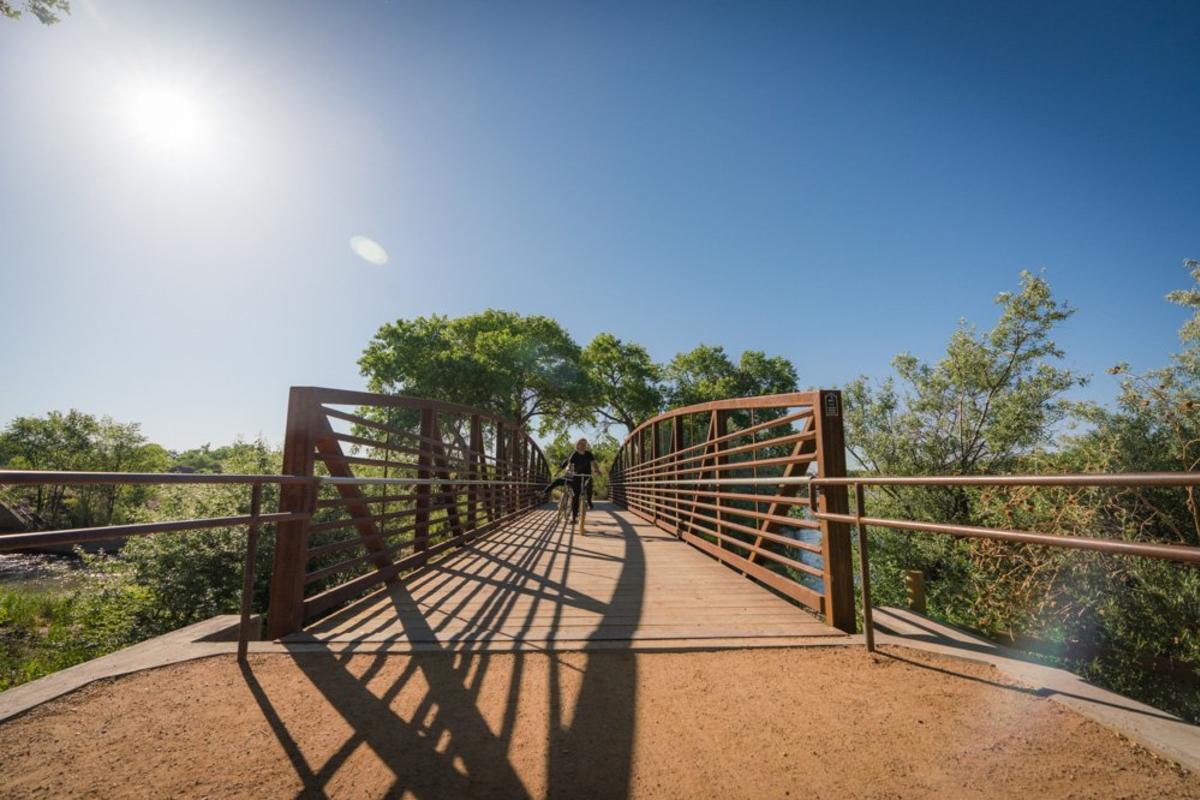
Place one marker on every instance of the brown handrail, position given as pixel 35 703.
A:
pixel 17 541
pixel 666 488
pixel 690 486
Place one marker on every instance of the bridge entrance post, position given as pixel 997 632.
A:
pixel 285 608
pixel 838 574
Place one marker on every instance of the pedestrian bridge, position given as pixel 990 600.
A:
pixel 406 523
pixel 421 524
pixel 537 584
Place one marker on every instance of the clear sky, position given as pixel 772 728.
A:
pixel 833 182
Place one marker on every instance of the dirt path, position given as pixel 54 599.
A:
pixel 809 723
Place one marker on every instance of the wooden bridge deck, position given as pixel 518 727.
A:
pixel 621 584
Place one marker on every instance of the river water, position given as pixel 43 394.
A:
pixel 39 572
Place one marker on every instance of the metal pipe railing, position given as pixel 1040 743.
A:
pixel 1184 554
pixel 252 521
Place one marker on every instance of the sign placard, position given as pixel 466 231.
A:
pixel 831 405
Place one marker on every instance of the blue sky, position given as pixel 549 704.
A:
pixel 831 182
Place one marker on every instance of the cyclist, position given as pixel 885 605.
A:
pixel 577 464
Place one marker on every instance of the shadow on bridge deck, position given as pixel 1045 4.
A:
pixel 535 585
pixel 471 623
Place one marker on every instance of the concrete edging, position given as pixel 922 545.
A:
pixel 1166 735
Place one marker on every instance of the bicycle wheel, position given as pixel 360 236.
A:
pixel 561 516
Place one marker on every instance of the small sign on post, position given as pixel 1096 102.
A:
pixel 831 405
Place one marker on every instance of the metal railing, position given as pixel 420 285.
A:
pixel 732 479
pixel 79 536
pixel 696 488
pixel 1184 554
pixel 253 520
pixel 467 472
pixel 343 526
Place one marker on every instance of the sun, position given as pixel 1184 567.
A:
pixel 165 118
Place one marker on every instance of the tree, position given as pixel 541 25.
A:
pixel 994 399
pixel 623 381
pixel 47 11
pixel 60 442
pixel 78 441
pixel 706 373
pixel 516 366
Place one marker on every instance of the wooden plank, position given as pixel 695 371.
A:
pixel 530 581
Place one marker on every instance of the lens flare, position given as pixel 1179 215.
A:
pixel 369 250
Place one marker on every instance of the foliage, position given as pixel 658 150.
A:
pixel 995 404
pixel 707 373
pixel 46 11
pixel 153 585
pixel 624 381
pixel 604 448
pixel 78 441
pixel 516 366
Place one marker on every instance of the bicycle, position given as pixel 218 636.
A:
pixel 567 496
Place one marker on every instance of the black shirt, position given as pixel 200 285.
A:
pixel 580 462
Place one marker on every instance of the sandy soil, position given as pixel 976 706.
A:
pixel 809 723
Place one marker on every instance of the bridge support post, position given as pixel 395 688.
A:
pixel 285 609
pixel 836 553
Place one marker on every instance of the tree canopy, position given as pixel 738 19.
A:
pixel 707 373
pixel 46 11
pixel 529 369
pixel 520 367
pixel 624 382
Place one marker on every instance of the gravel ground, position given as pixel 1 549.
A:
pixel 810 723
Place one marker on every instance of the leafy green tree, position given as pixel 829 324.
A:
pixel 60 442
pixel 521 367
pixel 604 447
pixel 187 577
pixel 624 381
pixel 707 373
pixel 78 441
pixel 46 11
pixel 1142 616
pixel 994 398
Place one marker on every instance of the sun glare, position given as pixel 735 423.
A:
pixel 167 119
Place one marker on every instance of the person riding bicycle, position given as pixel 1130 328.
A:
pixel 578 464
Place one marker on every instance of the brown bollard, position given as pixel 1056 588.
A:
pixel 914 588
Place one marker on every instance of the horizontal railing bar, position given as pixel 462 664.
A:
pixel 1066 479
pixel 424 482
pixel 781 481
pixel 366 500
pixel 779 499
pixel 21 477
pixel 734 511
pixel 15 541
pixel 784 420
pixel 448 447
pixel 359 541
pixel 350 397
pixel 32 477
pixel 665 512
pixel 785 400
pixel 782 461
pixel 653 468
pixel 362 461
pixel 330 597
pixel 346 522
pixel 1170 552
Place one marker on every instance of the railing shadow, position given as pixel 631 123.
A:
pixel 450 744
